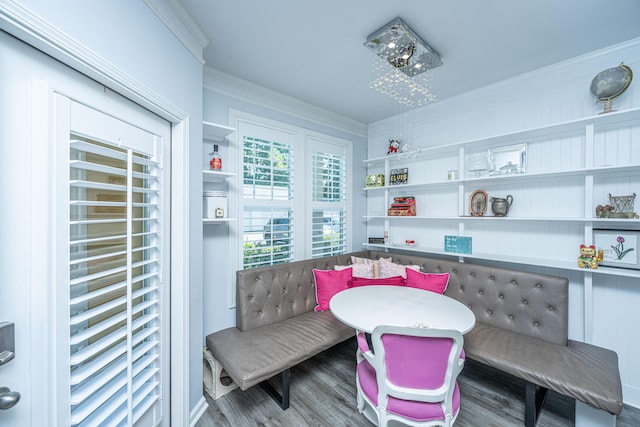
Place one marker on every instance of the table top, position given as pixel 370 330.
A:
pixel 366 307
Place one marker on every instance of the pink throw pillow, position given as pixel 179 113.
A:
pixel 390 269
pixel 329 283
pixel 359 270
pixel 428 281
pixel 390 281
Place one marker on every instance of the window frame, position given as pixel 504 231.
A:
pixel 302 207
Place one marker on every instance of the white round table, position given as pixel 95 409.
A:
pixel 366 307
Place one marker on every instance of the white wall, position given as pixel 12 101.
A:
pixel 128 36
pixel 549 95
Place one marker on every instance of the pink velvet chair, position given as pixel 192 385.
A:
pixel 410 376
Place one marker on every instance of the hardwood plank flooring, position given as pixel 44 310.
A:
pixel 323 393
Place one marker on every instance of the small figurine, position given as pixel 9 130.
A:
pixel 394 144
pixel 604 211
pixel 589 257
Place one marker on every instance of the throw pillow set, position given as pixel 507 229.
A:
pixel 367 272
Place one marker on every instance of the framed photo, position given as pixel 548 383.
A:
pixel 478 202
pixel 620 247
pixel 511 159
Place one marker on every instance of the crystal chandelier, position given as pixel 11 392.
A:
pixel 402 65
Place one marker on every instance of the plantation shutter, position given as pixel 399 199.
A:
pixel 328 216
pixel 115 274
pixel 268 220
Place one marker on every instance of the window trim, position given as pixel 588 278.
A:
pixel 302 185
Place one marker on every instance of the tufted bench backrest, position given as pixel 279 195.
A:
pixel 267 295
pixel 531 304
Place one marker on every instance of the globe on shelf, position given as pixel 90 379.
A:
pixel 611 83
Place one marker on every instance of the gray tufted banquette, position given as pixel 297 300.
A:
pixel 521 328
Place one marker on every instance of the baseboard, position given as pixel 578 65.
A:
pixel 197 411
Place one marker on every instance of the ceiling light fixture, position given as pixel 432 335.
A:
pixel 402 64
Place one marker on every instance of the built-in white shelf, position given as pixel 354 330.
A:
pixel 216 132
pixel 603 221
pixel 583 185
pixel 216 176
pixel 603 121
pixel 596 171
pixel 216 221
pixel 541 262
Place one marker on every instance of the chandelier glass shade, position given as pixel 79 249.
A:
pixel 402 64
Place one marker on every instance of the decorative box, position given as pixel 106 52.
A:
pixel 403 206
pixel 375 180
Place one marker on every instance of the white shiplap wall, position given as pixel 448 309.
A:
pixel 549 95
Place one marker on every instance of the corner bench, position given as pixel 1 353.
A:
pixel 276 325
pixel 521 329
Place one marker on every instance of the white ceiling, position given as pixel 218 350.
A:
pixel 313 50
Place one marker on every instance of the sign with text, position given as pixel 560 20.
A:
pixel 457 244
pixel 399 176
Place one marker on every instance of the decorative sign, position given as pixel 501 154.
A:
pixel 620 247
pixel 457 244
pixel 399 176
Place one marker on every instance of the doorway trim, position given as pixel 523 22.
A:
pixel 33 30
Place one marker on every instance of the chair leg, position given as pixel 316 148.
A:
pixel 282 399
pixel 534 399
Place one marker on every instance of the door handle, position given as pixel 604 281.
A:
pixel 8 398
pixel 6 357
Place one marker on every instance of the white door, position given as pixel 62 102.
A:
pixel 84 271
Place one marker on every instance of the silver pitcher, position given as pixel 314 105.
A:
pixel 500 207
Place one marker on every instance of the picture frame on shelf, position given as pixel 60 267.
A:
pixel 620 247
pixel 478 203
pixel 508 160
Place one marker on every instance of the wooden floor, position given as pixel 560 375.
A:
pixel 323 394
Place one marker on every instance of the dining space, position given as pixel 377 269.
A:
pixel 512 325
pixel 410 352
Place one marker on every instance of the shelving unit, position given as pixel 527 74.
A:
pixel 556 196
pixel 215 133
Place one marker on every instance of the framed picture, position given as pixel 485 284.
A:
pixel 508 160
pixel 620 247
pixel 478 202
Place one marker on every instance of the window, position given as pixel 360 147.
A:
pixel 267 196
pixel 293 187
pixel 328 223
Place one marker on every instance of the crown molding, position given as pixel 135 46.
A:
pixel 175 16
pixel 27 26
pixel 226 84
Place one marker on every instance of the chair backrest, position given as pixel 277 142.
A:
pixel 417 363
